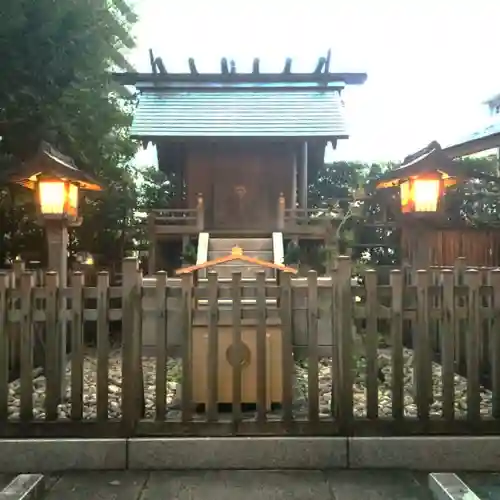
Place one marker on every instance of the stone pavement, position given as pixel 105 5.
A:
pixel 249 485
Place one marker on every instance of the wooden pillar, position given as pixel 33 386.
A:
pixel 200 213
pixel 152 244
pixel 281 212
pixel 303 177
pixel 293 197
pixel 57 240
pixel 498 162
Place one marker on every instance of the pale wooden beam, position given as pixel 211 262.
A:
pixel 192 66
pixel 224 67
pixel 288 66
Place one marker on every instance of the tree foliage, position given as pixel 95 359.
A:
pixel 56 86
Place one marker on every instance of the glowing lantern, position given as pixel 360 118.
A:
pixel 58 199
pixel 421 194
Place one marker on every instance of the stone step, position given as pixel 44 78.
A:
pixel 247 244
pixel 244 302
pixel 236 263
pixel 247 270
pixel 266 255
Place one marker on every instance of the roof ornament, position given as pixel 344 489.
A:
pixel 236 250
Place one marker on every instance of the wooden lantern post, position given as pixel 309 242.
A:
pixel 56 182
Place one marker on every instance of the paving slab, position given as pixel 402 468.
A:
pixel 486 485
pixel 240 485
pixel 122 485
pixel 249 485
pixel 376 485
pixel 5 479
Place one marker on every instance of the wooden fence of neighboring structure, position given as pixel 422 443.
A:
pixel 422 397
pixel 442 246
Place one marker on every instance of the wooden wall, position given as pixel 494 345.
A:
pixel 441 247
pixel 241 183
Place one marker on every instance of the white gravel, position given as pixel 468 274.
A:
pixel 325 385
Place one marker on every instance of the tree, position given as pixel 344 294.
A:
pixel 157 190
pixel 55 86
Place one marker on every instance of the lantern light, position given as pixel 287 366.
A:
pixel 58 199
pixel 426 194
pixel 421 194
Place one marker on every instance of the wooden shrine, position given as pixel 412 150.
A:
pixel 236 346
pixel 238 149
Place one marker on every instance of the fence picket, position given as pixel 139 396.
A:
pixel 285 305
pixel 77 352
pixel 237 345
pixel 335 370
pixel 161 345
pixel 423 367
pixel 345 332
pixel 187 331
pixel 132 377
pixel 213 347
pixel 313 357
pixel 102 345
pixel 448 343
pixel 261 347
pixel 495 343
pixel 397 290
pixel 52 340
pixel 4 347
pixel 26 411
pixel 371 344
pixel 460 326
pixel 472 280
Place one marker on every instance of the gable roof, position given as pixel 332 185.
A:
pixel 239 113
pixel 232 104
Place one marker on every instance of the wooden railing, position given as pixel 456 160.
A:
pixel 354 383
pixel 181 218
pixel 175 216
pixel 302 216
pixel 290 219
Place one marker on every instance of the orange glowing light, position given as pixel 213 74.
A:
pixel 421 194
pixel 58 198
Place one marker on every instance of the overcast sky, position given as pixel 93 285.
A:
pixel 430 64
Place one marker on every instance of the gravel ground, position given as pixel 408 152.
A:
pixel 325 385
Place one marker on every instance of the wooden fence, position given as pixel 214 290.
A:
pixel 361 386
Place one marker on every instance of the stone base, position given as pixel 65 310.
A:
pixel 437 454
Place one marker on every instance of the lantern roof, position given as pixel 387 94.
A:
pixel 49 162
pixel 428 161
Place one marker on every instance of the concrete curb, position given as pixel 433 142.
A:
pixel 55 455
pixel 428 453
pixel 439 454
pixel 238 453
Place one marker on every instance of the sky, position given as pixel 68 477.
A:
pixel 430 63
